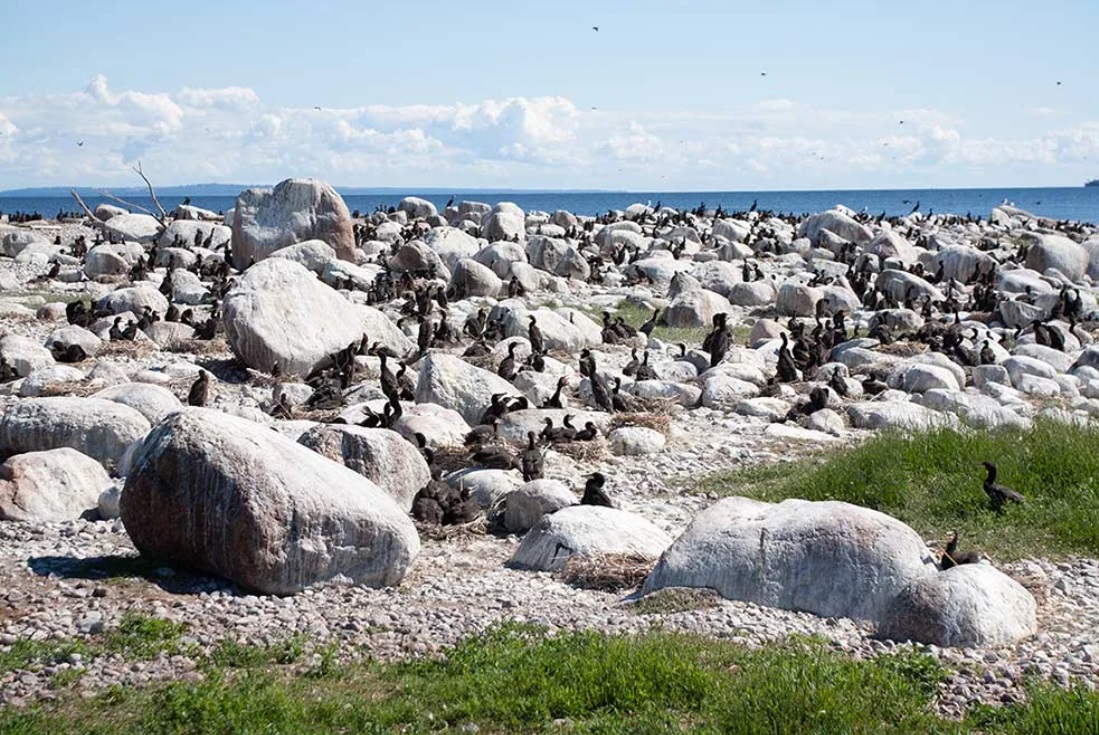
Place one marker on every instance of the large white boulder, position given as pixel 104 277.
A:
pixel 451 382
pixel 441 427
pixel 557 256
pixel 296 210
pixel 470 279
pixel 230 497
pixel 967 606
pixel 527 505
pixel 894 415
pixel 95 427
pixel 837 222
pixel 278 312
pixel 506 221
pixel 53 485
pixel 452 245
pixel 380 455
pixel 695 308
pixel 829 558
pixel 134 299
pixel 313 254
pixel 631 441
pixel 589 531
pixel 417 207
pixel 142 228
pixel 560 333
pixel 25 355
pixel 1059 252
pixel 154 402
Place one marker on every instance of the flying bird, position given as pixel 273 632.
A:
pixel 595 28
pixel 901 122
pixel 80 143
pixel 316 107
pixel 763 73
pixel 1058 84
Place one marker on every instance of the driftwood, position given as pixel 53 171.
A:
pixel 162 217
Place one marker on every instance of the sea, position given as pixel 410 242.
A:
pixel 1062 203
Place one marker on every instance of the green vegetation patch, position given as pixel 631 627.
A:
pixel 933 481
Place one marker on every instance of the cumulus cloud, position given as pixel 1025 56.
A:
pixel 93 135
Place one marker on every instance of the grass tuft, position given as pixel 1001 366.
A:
pixel 516 678
pixel 933 482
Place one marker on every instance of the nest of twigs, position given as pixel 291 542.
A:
pixel 658 422
pixel 593 451
pixel 216 346
pixel 606 572
pixel 128 348
pixel 76 389
pixel 908 348
pixel 433 532
pixel 452 459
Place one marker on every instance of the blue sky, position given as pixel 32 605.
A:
pixel 666 95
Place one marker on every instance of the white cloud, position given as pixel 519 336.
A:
pixel 229 134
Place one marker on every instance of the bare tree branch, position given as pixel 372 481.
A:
pixel 120 200
pixel 163 215
pixel 91 215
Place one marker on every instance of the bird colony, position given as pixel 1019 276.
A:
pixel 398 427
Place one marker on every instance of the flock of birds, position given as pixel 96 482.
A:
pixel 423 305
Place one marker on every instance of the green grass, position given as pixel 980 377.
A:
pixel 932 481
pixel 515 679
pixel 33 655
pixel 635 316
pixel 139 637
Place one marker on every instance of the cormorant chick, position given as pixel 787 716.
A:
pixel 200 390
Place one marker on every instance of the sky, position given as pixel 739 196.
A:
pixel 687 95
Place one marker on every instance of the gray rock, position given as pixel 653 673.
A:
pixel 53 485
pixel 967 606
pixel 154 402
pixel 230 497
pixel 23 354
pixel 98 428
pixel 313 254
pixel 589 531
pixel 631 441
pixel 525 506
pixel 827 558
pixel 296 210
pixel 1059 252
pixel 141 228
pixel 471 279
pixel 380 455
pixel 451 382
pixel 65 337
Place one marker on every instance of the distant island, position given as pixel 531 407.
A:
pixel 1093 182
pixel 232 190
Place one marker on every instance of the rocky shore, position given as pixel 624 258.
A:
pixel 838 324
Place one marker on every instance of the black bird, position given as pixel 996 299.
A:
pixel 648 327
pixel 787 369
pixel 952 557
pixel 483 433
pixel 462 509
pixel 555 401
pixel 537 343
pixel 644 370
pixel 987 356
pixel 600 391
pixel 588 433
pixel 596 29
pixel 531 459
pixel 593 491
pixel 200 390
pixel 507 365
pixel 998 494
pixel 633 364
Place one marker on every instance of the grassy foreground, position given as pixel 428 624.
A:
pixel 932 481
pixel 515 679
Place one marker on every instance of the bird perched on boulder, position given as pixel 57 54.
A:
pixel 998 494
pixel 593 491
pixel 952 557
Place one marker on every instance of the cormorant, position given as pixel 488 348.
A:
pixel 507 365
pixel 593 491
pixel 555 401
pixel 952 557
pixel 648 327
pixel 200 390
pixel 998 494
pixel 531 459
pixel 633 364
pixel 588 433
pixel 644 370
pixel 537 343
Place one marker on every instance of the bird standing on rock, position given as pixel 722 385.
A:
pixel 952 557
pixel 593 491
pixel 200 390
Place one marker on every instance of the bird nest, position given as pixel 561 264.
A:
pixel 216 346
pixel 657 422
pixel 433 532
pixel 907 348
pixel 596 450
pixel 452 459
pixel 606 572
pixel 76 389
pixel 127 348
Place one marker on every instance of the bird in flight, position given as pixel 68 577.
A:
pixel 901 122
pixel 316 107
pixel 80 143
pixel 763 73
pixel 595 28
pixel 1058 84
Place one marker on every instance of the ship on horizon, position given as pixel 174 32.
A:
pixel 1093 182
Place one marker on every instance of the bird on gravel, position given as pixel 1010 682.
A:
pixel 200 390
pixel 532 459
pixel 999 494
